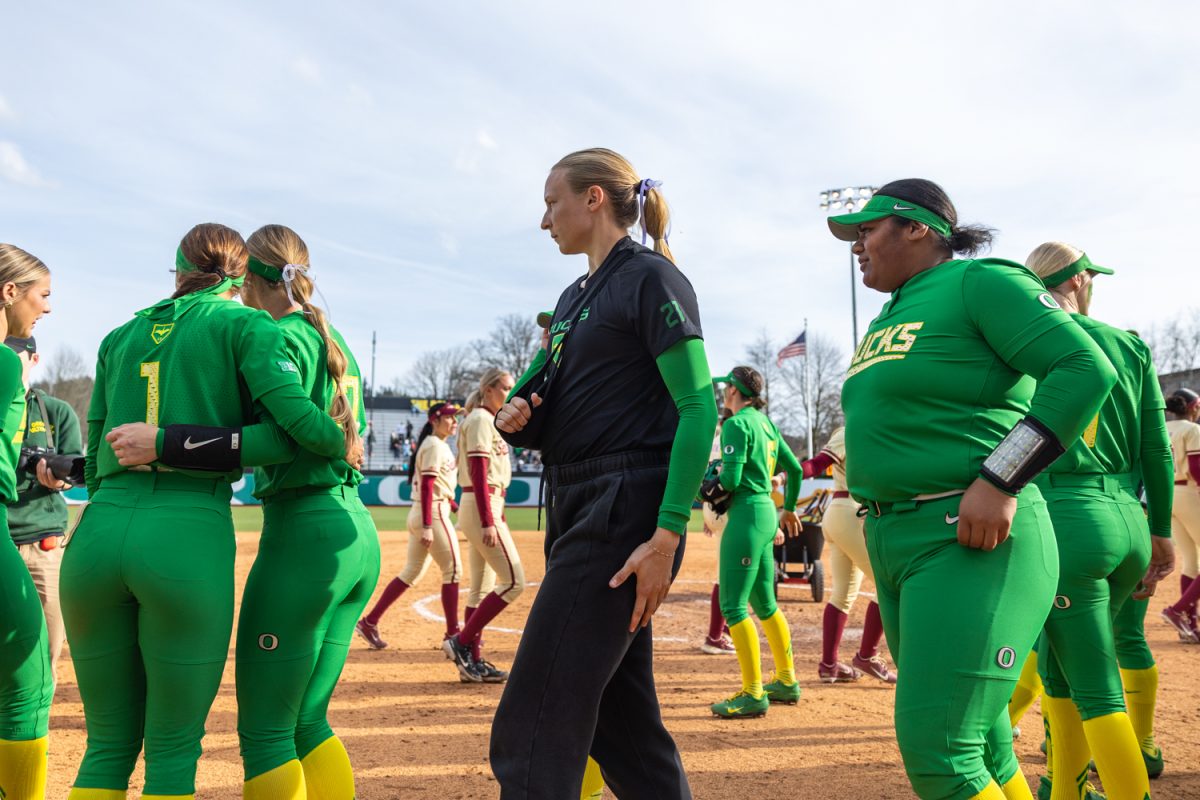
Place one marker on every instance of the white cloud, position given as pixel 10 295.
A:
pixel 15 168
pixel 306 69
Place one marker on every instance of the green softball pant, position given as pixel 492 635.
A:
pixel 747 566
pixel 1103 550
pixel 1129 631
pixel 26 677
pixel 147 598
pixel 317 565
pixel 959 623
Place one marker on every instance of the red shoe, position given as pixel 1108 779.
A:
pixel 837 673
pixel 874 666
pixel 370 633
pixel 1183 625
pixel 721 646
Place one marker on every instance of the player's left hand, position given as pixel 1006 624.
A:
pixel 1162 564
pixel 985 516
pixel 47 478
pixel 653 571
pixel 134 443
pixel 790 524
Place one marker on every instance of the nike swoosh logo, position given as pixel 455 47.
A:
pixel 898 207
pixel 949 519
pixel 188 444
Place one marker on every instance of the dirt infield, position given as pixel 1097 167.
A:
pixel 414 732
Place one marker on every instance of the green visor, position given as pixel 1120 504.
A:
pixel 741 387
pixel 1073 269
pixel 845 226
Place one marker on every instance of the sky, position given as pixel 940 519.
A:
pixel 408 144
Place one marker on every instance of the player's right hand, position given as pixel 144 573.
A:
pixel 514 415
pixel 985 516
pixel 1162 564
pixel 354 455
pixel 426 537
pixel 134 443
pixel 490 539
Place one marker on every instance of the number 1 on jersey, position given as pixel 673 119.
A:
pixel 150 373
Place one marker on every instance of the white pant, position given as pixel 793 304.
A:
pixel 844 530
pixel 1185 528
pixel 43 567
pixel 443 550
pixel 491 566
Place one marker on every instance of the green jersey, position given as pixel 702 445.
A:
pixel 40 512
pixel 306 349
pixel 200 360
pixel 751 439
pixel 12 434
pixel 950 365
pixel 1128 436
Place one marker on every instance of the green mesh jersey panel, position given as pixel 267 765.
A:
pixel 307 351
pixel 199 360
pixel 13 420
pixel 751 439
pixel 1112 442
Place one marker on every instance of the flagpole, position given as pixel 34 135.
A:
pixel 808 391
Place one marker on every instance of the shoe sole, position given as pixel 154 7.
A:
pixel 1185 635
pixel 370 644
pixel 838 680
pixel 740 716
pixel 716 651
pixel 782 702
pixel 463 675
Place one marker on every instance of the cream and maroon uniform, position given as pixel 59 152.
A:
pixel 435 459
pixel 1185 513
pixel 497 568
pixel 844 530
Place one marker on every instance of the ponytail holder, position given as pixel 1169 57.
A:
pixel 182 265
pixel 275 274
pixel 288 274
pixel 645 186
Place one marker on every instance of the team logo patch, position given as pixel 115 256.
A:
pixel 268 642
pixel 746 561
pixel 1048 301
pixel 728 450
pixel 287 366
pixel 160 332
pixel 1006 657
pixel 1062 602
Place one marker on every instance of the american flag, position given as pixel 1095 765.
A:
pixel 796 348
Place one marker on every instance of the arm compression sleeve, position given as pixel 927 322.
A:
pixel 817 464
pixel 731 475
pixel 684 368
pixel 427 500
pixel 97 411
pixel 1158 472
pixel 478 467
pixel 311 427
pixel 789 464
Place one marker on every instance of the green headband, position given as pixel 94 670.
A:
pixel 1073 269
pixel 265 270
pixel 845 226
pixel 741 387
pixel 183 265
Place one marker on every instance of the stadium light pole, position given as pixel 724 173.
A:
pixel 846 201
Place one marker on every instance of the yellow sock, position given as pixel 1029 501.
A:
pixel 745 642
pixel 1049 741
pixel 593 782
pixel 1029 686
pixel 327 771
pixel 285 782
pixel 992 792
pixel 1070 753
pixel 779 636
pixel 23 769
pixel 96 794
pixel 1118 757
pixel 1017 788
pixel 1141 695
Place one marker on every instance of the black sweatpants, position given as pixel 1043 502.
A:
pixel 581 683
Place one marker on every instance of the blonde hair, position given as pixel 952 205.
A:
pixel 1047 259
pixel 472 402
pixel 490 378
pixel 19 267
pixel 278 246
pixel 612 172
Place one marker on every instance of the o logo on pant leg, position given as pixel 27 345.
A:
pixel 268 642
pixel 746 561
pixel 1006 657
pixel 1062 602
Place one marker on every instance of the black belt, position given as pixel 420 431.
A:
pixel 601 465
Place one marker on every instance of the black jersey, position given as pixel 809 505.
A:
pixel 607 395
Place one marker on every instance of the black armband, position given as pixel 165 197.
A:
pixel 202 447
pixel 1021 456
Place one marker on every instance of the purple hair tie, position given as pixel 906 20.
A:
pixel 646 185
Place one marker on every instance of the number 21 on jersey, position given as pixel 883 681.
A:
pixel 150 373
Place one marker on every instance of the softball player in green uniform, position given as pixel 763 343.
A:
pixel 752 451
pixel 26 677
pixel 1104 546
pixel 961 546
pixel 147 579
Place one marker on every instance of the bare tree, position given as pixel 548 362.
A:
pixel 826 371
pixel 443 374
pixel 1175 344
pixel 67 376
pixel 511 344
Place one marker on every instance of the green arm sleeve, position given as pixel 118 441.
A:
pixel 795 475
pixel 539 361
pixel 1158 469
pixel 97 412
pixel 266 443
pixel 684 368
pixel 1020 321
pixel 731 474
